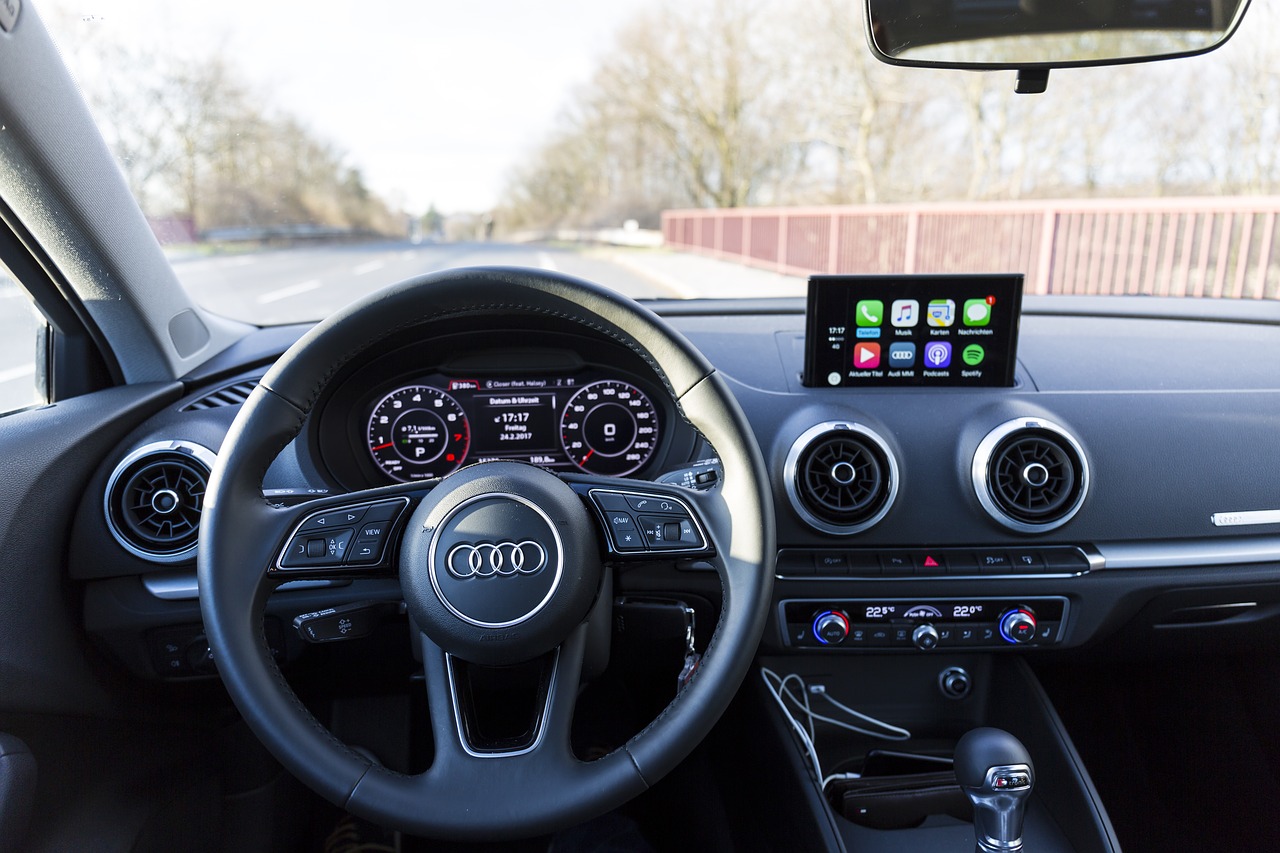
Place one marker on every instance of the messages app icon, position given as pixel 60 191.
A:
pixel 942 312
pixel 977 312
pixel 870 312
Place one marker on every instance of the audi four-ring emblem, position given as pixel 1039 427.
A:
pixel 501 559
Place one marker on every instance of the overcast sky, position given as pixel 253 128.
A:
pixel 434 101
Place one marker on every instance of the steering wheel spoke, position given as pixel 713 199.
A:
pixel 493 715
pixel 355 534
pixel 646 521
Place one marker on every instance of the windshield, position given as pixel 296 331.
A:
pixel 295 159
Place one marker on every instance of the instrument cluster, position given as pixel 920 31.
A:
pixel 432 425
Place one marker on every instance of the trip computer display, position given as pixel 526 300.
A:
pixel 912 330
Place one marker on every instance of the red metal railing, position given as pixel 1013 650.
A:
pixel 1163 247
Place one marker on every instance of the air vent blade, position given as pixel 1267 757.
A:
pixel 1030 475
pixel 228 395
pixel 155 497
pixel 841 478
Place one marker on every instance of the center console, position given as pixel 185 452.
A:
pixel 906 795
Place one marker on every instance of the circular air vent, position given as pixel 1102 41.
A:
pixel 154 498
pixel 1030 475
pixel 841 477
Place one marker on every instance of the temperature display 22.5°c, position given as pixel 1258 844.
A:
pixel 609 428
pixel 417 433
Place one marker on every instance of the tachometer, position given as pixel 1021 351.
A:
pixel 417 433
pixel 609 428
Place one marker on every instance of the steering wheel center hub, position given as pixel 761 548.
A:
pixel 500 563
pixel 496 561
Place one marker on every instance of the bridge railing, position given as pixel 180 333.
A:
pixel 1167 247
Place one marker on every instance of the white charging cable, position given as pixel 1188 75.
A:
pixel 780 688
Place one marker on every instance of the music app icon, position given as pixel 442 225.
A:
pixel 904 313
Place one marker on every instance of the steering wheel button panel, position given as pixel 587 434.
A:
pixel 327 539
pixel 667 525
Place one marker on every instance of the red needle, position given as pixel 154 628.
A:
pixel 588 456
pixel 384 446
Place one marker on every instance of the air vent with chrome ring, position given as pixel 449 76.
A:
pixel 841 477
pixel 154 498
pixel 1030 475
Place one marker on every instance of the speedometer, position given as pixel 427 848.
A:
pixel 609 428
pixel 418 433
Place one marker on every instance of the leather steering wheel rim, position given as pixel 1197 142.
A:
pixel 240 536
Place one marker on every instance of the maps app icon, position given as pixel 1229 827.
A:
pixel 942 312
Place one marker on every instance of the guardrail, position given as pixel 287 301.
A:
pixel 1162 247
pixel 639 238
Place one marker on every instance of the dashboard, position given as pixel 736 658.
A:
pixel 1158 439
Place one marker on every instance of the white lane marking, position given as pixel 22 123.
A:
pixel 544 261
pixel 285 292
pixel 371 266
pixel 408 255
pixel 241 261
pixel 15 373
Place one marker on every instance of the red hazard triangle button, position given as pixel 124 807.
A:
pixel 930 563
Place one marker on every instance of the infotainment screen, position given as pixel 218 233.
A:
pixel 912 330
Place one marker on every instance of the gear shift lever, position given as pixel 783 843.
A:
pixel 994 770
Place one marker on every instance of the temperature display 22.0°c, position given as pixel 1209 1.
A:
pixel 609 428
pixel 417 433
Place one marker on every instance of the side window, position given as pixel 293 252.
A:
pixel 22 330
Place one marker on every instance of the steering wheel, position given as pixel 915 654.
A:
pixel 498 562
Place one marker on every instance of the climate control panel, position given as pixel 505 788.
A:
pixel 923 624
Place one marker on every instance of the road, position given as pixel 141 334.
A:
pixel 295 285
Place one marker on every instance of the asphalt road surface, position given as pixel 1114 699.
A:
pixel 310 283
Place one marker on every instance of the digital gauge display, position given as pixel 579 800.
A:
pixel 431 428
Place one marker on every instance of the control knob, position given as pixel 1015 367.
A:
pixel 925 637
pixel 831 627
pixel 1018 625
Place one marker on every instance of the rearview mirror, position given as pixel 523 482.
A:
pixel 1044 34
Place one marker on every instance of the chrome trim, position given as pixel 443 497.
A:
pixel 801 444
pixel 1167 555
pixel 435 541
pixel 199 453
pixel 982 466
pixel 542 719
pixel 280 567
pixel 1247 517
pixel 183 586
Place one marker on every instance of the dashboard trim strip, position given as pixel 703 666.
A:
pixel 1247 517
pixel 1166 555
pixel 183 586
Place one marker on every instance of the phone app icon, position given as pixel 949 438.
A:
pixel 942 312
pixel 973 355
pixel 937 355
pixel 902 355
pixel 866 356
pixel 870 312
pixel 977 312
pixel 904 313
